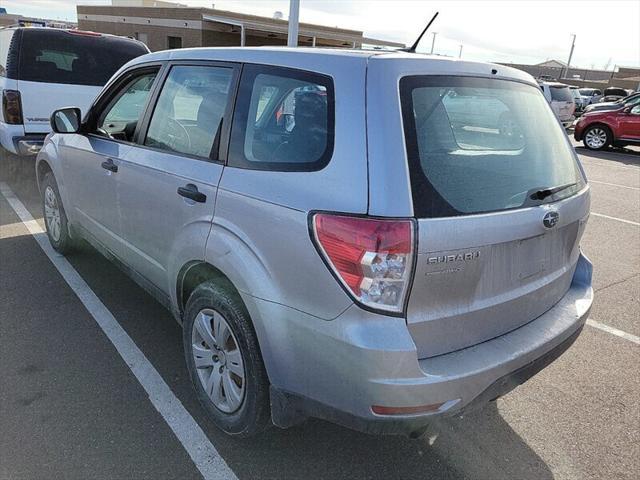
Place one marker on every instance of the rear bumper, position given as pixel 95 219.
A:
pixel 345 368
pixel 13 139
pixel 298 408
pixel 29 144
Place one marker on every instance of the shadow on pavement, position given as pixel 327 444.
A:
pixel 625 156
pixel 481 445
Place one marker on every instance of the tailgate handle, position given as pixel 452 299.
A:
pixel 109 165
pixel 191 191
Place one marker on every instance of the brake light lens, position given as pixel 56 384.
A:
pixel 11 107
pixel 372 258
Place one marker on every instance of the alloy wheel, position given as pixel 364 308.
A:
pixel 596 138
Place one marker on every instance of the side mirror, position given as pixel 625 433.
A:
pixel 627 109
pixel 66 120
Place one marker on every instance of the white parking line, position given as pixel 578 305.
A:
pixel 614 185
pixel 615 218
pixel 204 455
pixel 613 331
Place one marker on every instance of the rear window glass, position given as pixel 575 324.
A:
pixel 479 145
pixel 56 56
pixel 561 94
pixel 284 120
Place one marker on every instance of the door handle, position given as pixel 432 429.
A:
pixel 191 191
pixel 109 165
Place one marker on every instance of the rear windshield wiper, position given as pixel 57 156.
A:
pixel 543 193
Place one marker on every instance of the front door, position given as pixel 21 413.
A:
pixel 92 159
pixel 168 181
pixel 630 124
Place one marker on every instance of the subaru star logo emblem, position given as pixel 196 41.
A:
pixel 550 219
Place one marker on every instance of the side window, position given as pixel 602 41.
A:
pixel 284 120
pixel 190 110
pixel 635 110
pixel 633 101
pixel 121 116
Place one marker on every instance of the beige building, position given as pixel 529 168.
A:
pixel 162 25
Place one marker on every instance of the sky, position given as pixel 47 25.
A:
pixel 607 33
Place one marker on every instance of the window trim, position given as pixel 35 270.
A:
pixel 236 157
pixel 218 157
pixel 110 93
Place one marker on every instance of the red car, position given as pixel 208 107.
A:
pixel 600 129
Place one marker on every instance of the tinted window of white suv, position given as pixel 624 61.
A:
pixel 561 94
pixel 284 120
pixel 58 56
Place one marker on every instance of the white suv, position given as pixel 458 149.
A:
pixel 559 97
pixel 42 69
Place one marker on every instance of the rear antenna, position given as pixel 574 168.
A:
pixel 412 48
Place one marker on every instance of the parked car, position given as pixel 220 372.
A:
pixel 593 95
pixel 629 101
pixel 368 262
pixel 580 101
pixel 43 69
pixel 601 129
pixel 613 94
pixel 561 100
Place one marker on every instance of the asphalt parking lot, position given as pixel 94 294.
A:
pixel 71 407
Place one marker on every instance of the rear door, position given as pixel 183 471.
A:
pixel 59 68
pixel 492 256
pixel 168 181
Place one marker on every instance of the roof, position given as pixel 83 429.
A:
pixel 319 59
pixel 551 63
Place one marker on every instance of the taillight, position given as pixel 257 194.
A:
pixel 372 258
pixel 11 107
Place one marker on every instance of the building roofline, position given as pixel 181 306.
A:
pixel 248 21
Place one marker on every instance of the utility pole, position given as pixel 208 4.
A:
pixel 294 14
pixel 573 44
pixel 433 42
pixel 460 54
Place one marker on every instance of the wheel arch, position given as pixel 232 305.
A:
pixel 42 168
pixel 194 273
pixel 598 124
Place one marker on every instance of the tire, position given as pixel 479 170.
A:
pixel 211 309
pixel 55 217
pixel 597 137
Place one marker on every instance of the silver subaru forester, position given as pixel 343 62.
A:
pixel 371 238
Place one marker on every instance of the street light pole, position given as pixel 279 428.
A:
pixel 294 14
pixel 433 42
pixel 460 54
pixel 573 44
